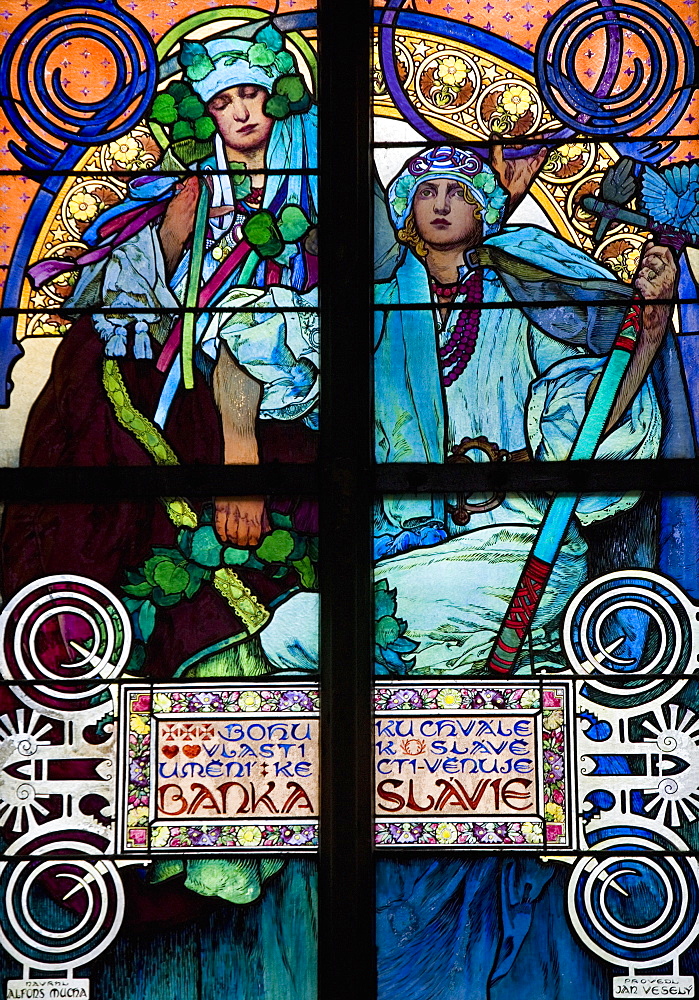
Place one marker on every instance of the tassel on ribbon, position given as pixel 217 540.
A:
pixel 115 346
pixel 141 344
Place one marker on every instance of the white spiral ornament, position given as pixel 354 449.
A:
pixel 67 636
pixel 89 906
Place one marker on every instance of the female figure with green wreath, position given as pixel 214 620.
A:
pixel 231 385
pixel 241 231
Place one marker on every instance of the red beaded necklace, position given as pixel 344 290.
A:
pixel 457 352
pixel 445 291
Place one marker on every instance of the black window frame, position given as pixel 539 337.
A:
pixel 346 481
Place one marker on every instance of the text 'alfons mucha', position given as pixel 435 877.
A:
pixel 160 257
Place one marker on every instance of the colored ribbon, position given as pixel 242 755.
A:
pixel 196 262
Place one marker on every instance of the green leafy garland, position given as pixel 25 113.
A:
pixel 183 113
pixel 173 574
pixel 191 129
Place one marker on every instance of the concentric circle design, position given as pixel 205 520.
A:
pixel 639 910
pixel 37 98
pixel 636 627
pixel 90 906
pixel 67 635
pixel 651 91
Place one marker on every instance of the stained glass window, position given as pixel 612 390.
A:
pixel 161 768
pixel 160 170
pixel 150 718
pixel 400 695
pixel 535 301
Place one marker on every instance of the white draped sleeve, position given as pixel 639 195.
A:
pixel 278 348
pixel 556 406
pixel 131 277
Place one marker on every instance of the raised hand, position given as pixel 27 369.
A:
pixel 655 278
pixel 517 174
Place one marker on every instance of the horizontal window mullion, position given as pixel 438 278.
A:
pixel 101 484
pixel 672 474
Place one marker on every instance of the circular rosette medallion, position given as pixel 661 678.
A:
pixel 67 635
pixel 448 81
pixel 568 162
pixel 509 107
pixel 88 905
pixel 621 254
pixel 85 201
pixel 638 910
pixel 627 632
pixel 137 150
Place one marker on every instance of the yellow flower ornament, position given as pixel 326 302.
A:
pixel 452 71
pixel 83 206
pixel 249 836
pixel 516 100
pixel 570 151
pixel 125 151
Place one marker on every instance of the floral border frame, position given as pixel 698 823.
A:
pixel 139 831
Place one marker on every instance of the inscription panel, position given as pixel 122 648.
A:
pixel 221 766
pixel 466 765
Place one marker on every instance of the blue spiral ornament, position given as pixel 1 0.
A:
pixel 659 92
pixel 36 102
pixel 630 633
pixel 56 127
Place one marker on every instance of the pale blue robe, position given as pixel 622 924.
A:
pixel 522 388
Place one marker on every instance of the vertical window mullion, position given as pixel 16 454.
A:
pixel 346 905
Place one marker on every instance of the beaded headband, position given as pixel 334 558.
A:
pixel 446 162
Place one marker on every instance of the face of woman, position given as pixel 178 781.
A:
pixel 443 217
pixel 243 125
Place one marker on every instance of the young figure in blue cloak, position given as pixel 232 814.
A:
pixel 493 368
pixel 503 364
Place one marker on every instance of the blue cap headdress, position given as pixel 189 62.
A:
pixel 445 162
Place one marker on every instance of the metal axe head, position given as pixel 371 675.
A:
pixel 618 188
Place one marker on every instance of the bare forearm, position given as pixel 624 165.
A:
pixel 237 397
pixel 655 320
pixel 239 520
pixel 654 282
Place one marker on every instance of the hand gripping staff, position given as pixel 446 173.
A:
pixel 665 195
